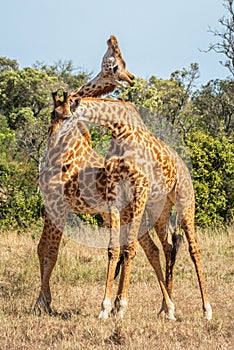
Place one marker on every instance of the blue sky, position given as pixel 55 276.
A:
pixel 156 36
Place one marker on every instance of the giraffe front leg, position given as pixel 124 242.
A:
pixel 113 256
pixel 47 252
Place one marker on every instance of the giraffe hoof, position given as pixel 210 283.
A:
pixel 106 309
pixel 103 315
pixel 168 312
pixel 207 312
pixel 170 317
pixel 40 306
pixel 36 311
pixel 119 308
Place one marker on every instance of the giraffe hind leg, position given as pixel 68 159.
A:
pixel 152 253
pixel 187 224
pixel 169 243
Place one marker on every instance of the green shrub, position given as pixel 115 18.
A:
pixel 20 201
pixel 213 170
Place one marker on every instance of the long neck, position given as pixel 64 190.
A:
pixel 97 87
pixel 121 118
pixel 66 147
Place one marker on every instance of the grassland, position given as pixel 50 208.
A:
pixel 77 289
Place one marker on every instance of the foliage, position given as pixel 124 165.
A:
pixel 213 177
pixel 26 88
pixel 66 72
pixel 25 102
pixel 31 133
pixel 7 138
pixel 171 108
pixel 168 98
pixel 201 119
pixel 20 202
pixel 7 64
pixel 214 104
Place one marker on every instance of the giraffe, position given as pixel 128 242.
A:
pixel 155 177
pixel 69 157
pixel 112 74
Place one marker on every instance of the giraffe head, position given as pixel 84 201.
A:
pixel 113 64
pixel 61 109
pixel 113 72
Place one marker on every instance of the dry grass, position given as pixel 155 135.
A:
pixel 77 289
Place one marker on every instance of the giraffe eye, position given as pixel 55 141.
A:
pixel 115 68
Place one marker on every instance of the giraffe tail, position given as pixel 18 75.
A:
pixel 119 263
pixel 177 240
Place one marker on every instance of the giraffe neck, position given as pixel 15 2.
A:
pixel 97 87
pixel 121 118
pixel 100 85
pixel 66 148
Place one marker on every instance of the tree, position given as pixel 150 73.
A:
pixel 213 107
pixel 8 64
pixel 25 88
pixel 169 98
pixel 25 106
pixel 31 134
pixel 20 202
pixel 203 119
pixel 225 45
pixel 7 139
pixel 213 177
pixel 66 72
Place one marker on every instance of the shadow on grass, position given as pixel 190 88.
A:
pixel 63 315
pixel 118 337
pixel 66 315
